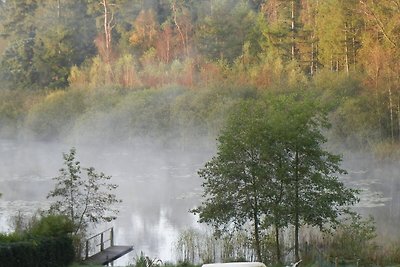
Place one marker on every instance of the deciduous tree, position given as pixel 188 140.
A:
pixel 86 199
pixel 271 169
pixel 315 194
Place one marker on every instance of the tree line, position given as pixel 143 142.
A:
pixel 266 44
pixel 176 69
pixel 342 36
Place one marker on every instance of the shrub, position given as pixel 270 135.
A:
pixel 145 261
pixel 55 114
pixel 52 225
pixel 45 244
pixel 43 252
pixel 353 240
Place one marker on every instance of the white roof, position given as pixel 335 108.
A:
pixel 235 264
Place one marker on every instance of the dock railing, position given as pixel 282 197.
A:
pixel 99 242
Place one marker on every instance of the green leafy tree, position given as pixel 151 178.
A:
pixel 68 42
pixel 245 182
pixel 384 16
pixel 45 39
pixel 339 29
pixel 51 225
pixel 283 28
pixel 17 17
pixel 18 27
pixel 271 169
pixel 235 180
pixel 315 194
pixel 85 199
pixel 289 31
pixel 222 34
pixel 379 58
pixel 108 15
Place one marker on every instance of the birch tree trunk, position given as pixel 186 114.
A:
pixel 377 76
pixel 398 118
pixel 179 28
pixel 391 114
pixel 293 25
pixel 108 25
pixel 353 39
pixel 312 66
pixel 58 8
pixel 346 48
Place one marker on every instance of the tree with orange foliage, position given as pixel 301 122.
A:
pixel 146 29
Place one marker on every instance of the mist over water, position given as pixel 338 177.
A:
pixel 155 101
pixel 159 185
pixel 380 184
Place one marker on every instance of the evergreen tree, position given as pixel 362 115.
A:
pixel 68 42
pixel 222 34
pixel 46 39
pixel 19 27
pixel 339 30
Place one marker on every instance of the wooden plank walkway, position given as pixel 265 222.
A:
pixel 100 249
pixel 108 255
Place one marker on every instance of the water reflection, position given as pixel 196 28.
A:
pixel 380 198
pixel 159 186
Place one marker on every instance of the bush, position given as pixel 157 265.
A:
pixel 144 261
pixel 353 240
pixel 43 252
pixel 8 238
pixel 55 114
pixel 14 106
pixel 45 244
pixel 52 225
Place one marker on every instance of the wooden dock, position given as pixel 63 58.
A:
pixel 108 255
pixel 100 248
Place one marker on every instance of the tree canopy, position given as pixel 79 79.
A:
pixel 271 169
pixel 58 44
pixel 85 200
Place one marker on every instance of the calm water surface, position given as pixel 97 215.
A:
pixel 158 187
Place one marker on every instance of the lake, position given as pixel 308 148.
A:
pixel 158 186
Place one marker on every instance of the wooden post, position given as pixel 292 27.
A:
pixel 112 236
pixel 101 242
pixel 87 249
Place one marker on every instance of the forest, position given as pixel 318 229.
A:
pixel 172 69
pixel 171 73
